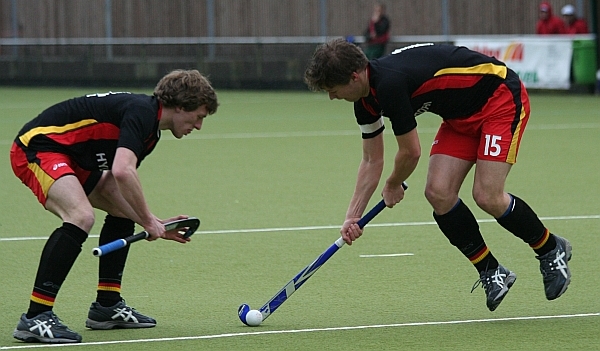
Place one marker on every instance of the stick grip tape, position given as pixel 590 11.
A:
pixel 118 244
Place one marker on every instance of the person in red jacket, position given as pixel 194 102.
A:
pixel 548 23
pixel 573 24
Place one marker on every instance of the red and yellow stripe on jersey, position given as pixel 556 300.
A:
pixel 452 82
pixel 460 77
pixel 54 130
pixel 80 137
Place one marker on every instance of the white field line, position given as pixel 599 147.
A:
pixel 403 224
pixel 296 229
pixel 331 329
pixel 387 255
pixel 354 132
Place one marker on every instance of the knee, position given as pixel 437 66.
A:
pixel 84 219
pixel 493 204
pixel 432 195
pixel 441 200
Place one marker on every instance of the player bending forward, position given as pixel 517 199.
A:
pixel 81 154
pixel 484 107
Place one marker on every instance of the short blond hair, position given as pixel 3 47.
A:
pixel 187 89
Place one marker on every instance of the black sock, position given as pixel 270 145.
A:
pixel 462 230
pixel 522 221
pixel 58 256
pixel 111 266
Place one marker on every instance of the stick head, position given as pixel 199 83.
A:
pixel 242 312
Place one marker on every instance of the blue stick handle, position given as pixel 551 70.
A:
pixel 192 223
pixel 375 211
pixel 118 244
pixel 371 214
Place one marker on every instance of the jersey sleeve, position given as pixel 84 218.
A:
pixel 395 104
pixel 369 121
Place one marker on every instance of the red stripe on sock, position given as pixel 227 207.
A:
pixel 538 244
pixel 480 255
pixel 109 287
pixel 42 299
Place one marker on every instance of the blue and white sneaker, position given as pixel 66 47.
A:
pixel 496 283
pixel 117 316
pixel 45 328
pixel 554 267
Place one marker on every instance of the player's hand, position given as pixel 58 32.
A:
pixel 155 229
pixel 176 234
pixel 163 221
pixel 350 230
pixel 392 193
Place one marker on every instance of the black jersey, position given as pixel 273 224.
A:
pixel 447 80
pixel 91 128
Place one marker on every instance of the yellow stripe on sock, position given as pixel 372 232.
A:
pixel 42 301
pixel 109 288
pixel 542 241
pixel 480 257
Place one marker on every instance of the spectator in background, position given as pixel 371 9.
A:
pixel 548 23
pixel 573 24
pixel 377 33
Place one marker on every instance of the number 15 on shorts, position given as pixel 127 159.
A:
pixel 491 145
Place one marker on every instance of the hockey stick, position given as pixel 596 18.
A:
pixel 270 306
pixel 191 223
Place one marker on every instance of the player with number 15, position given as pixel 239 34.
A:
pixel 484 107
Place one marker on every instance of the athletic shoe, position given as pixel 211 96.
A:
pixel 555 269
pixel 45 327
pixel 496 283
pixel 117 316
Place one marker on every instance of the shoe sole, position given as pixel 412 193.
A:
pixel 568 249
pixel 31 338
pixel 510 280
pixel 92 324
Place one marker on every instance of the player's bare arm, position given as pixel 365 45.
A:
pixel 369 174
pixel 127 179
pixel 405 162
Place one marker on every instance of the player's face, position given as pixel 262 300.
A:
pixel 184 122
pixel 352 91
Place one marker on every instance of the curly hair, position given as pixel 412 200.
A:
pixel 333 64
pixel 187 89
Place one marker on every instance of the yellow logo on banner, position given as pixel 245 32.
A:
pixel 514 52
